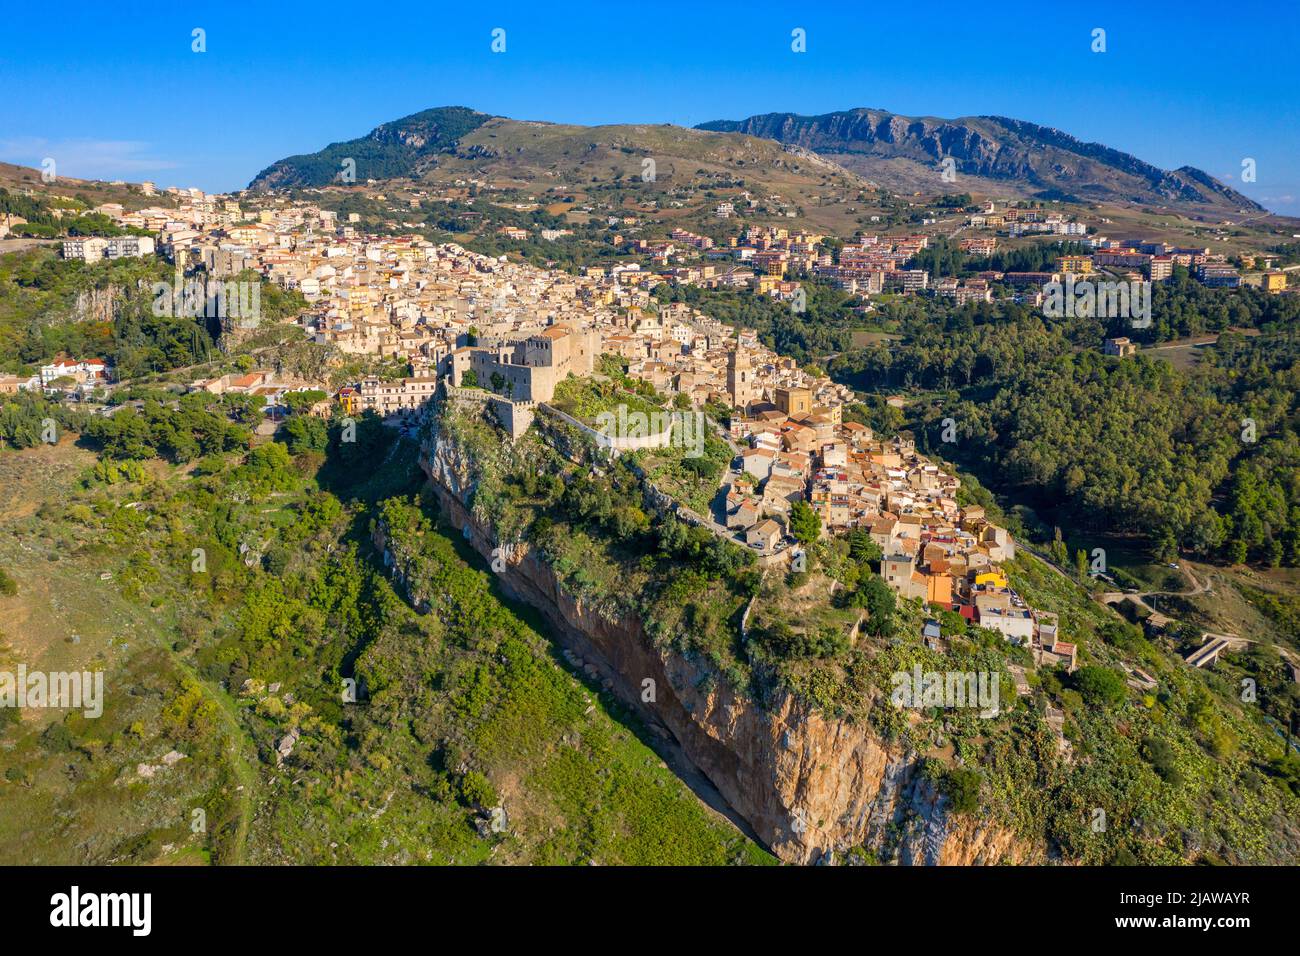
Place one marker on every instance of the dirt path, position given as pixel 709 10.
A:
pixel 1140 597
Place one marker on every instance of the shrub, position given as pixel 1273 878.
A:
pixel 1162 759
pixel 961 785
pixel 477 791
pixel 56 738
pixel 1101 686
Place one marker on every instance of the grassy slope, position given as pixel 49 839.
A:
pixel 24 178
pixel 85 802
pixel 374 784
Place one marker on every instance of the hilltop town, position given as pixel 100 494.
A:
pixel 462 319
pixel 457 319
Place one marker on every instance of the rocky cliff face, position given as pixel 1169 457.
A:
pixel 1034 159
pixel 97 305
pixel 813 789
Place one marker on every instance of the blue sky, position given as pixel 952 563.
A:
pixel 115 92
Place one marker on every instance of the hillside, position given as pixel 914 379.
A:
pixel 395 150
pixel 456 140
pixel 1009 157
pixel 680 172
pixel 576 154
pixel 228 743
pixel 26 180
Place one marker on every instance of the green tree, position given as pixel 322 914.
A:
pixel 306 433
pixel 1166 547
pixel 862 548
pixel 298 401
pixel 1161 756
pixel 805 523
pixel 1101 686
pixel 962 786
pixel 477 791
pixel 880 602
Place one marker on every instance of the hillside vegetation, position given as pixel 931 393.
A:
pixel 234 594
pixel 390 151
pixel 51 306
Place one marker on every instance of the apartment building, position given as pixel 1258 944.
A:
pixel 400 397
pixel 94 248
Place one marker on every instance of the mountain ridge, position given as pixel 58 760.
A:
pixel 1001 156
pixel 1045 161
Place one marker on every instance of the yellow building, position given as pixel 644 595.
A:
pixel 1273 281
pixel 1079 265
pixel 994 579
pixel 795 402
